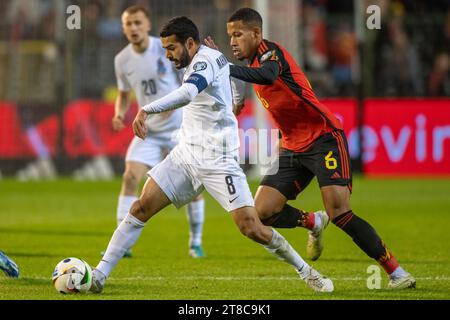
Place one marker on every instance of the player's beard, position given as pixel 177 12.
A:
pixel 184 59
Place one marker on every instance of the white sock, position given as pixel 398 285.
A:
pixel 123 239
pixel 317 223
pixel 398 273
pixel 123 207
pixel 196 217
pixel 280 248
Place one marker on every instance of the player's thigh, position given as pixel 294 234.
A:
pixel 176 179
pixel 336 200
pixel 289 180
pixel 329 160
pixel 228 185
pixel 268 201
pixel 151 201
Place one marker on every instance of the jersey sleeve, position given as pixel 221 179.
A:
pixel 176 99
pixel 265 74
pixel 270 53
pixel 122 82
pixel 202 73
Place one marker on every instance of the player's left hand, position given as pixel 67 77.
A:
pixel 209 42
pixel 139 127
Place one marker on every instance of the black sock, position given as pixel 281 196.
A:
pixel 288 217
pixel 362 233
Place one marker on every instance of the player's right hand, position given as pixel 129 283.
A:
pixel 139 127
pixel 117 123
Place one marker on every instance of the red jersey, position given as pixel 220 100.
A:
pixel 291 102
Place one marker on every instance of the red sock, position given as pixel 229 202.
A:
pixel 307 220
pixel 388 262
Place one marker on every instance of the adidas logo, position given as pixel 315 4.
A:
pixel 335 175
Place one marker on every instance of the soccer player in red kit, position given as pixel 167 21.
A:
pixel 312 144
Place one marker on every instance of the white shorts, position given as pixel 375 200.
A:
pixel 152 149
pixel 181 180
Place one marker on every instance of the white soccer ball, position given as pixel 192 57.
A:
pixel 72 275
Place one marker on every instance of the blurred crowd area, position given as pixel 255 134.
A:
pixel 408 56
pixel 41 61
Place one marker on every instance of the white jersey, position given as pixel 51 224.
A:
pixel 208 120
pixel 207 155
pixel 151 76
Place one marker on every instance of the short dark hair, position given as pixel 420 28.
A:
pixel 182 27
pixel 135 9
pixel 248 16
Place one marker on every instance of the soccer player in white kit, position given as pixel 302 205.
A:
pixel 205 158
pixel 143 68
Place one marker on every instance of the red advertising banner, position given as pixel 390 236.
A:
pixel 400 136
pixel 88 130
pixel 346 111
pixel 406 137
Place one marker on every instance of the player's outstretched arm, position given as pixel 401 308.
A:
pixel 174 100
pixel 267 73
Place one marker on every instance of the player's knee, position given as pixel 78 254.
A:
pixel 130 181
pixel 336 208
pixel 337 211
pixel 266 210
pixel 138 210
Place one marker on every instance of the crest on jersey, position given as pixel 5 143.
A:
pixel 199 66
pixel 161 67
pixel 270 55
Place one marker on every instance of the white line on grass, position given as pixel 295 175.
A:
pixel 240 278
pixel 189 278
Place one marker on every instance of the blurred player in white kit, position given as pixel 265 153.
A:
pixel 143 68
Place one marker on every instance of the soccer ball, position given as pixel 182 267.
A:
pixel 72 275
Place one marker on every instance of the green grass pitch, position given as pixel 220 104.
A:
pixel 44 222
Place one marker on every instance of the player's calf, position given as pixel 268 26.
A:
pixel 367 239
